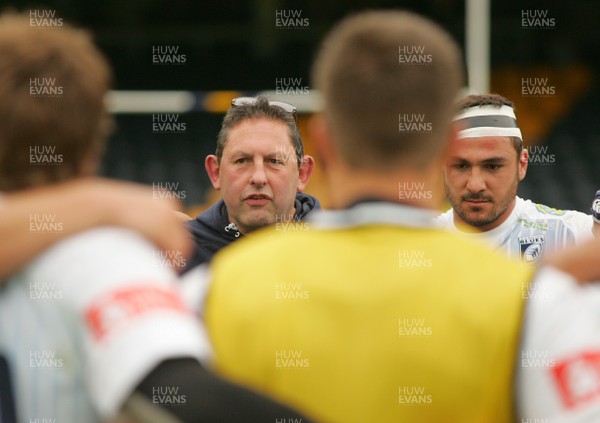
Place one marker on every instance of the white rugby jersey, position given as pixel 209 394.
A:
pixel 558 367
pixel 86 321
pixel 532 230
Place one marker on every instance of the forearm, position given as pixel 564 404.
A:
pixel 185 392
pixel 33 220
pixel 580 261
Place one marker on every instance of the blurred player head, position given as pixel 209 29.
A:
pixel 259 164
pixel 485 162
pixel 52 116
pixel 372 77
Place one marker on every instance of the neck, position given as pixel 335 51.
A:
pixel 418 188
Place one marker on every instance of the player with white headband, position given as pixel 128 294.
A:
pixel 485 164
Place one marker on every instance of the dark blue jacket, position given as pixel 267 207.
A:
pixel 211 230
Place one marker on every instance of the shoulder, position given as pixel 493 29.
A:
pixel 528 207
pixel 541 211
pixel 299 243
pixel 101 257
pixel 211 217
pixel 572 219
pixel 208 228
pixel 104 240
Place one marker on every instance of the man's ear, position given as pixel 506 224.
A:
pixel 523 163
pixel 323 142
pixel 306 169
pixel 211 164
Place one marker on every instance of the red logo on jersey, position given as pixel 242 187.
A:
pixel 578 378
pixel 118 307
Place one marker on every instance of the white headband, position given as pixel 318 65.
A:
pixel 488 121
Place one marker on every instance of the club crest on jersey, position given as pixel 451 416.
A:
pixel 532 247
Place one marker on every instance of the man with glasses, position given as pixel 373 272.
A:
pixel 260 168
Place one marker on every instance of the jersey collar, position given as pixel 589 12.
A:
pixel 373 212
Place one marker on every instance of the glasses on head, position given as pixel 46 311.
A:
pixel 239 101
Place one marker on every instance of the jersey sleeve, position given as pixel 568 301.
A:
pixel 125 300
pixel 558 366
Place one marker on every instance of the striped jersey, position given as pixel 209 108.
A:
pixel 86 321
pixel 532 230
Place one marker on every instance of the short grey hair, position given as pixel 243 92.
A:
pixel 260 109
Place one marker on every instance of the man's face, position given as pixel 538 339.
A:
pixel 258 174
pixel 481 179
